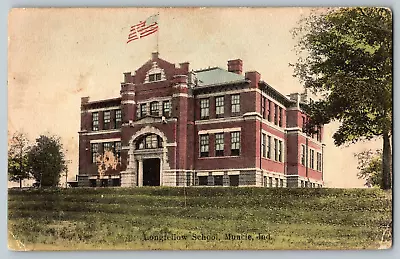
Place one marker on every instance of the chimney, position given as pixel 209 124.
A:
pixel 154 55
pixel 235 66
pixel 84 100
pixel 254 77
pixel 127 77
pixel 184 66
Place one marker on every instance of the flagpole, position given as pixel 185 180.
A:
pixel 158 30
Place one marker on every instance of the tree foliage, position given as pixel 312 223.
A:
pixel 370 166
pixel 106 163
pixel 18 168
pixel 46 160
pixel 346 56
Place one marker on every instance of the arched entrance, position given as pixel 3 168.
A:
pixel 148 163
pixel 148 154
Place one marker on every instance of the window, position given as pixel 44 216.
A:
pixel 280 151
pixel 95 121
pixel 204 145
pixel 234 180
pixel 264 145
pixel 204 109
pixel 166 109
pixel 94 150
pixel 319 133
pixel 269 110
pixel 270 182
pixel 219 144
pixel 319 162
pixel 280 117
pixel 107 120
pixel 219 106
pixel 235 143
pixel 276 149
pixel 188 179
pixel 154 108
pixel 302 184
pixel 138 111
pixel 118 148
pixel 303 126
pixel 108 146
pixel 276 182
pixel 269 147
pixel 265 181
pixel 143 110
pixel 281 180
pixel 218 180
pixel 118 119
pixel 263 109
pixel 235 103
pixel 311 158
pixel 276 115
pixel 149 142
pixel 155 77
pixel 203 180
pixel 303 155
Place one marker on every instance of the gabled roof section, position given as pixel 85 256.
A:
pixel 216 76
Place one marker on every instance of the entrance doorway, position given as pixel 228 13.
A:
pixel 151 172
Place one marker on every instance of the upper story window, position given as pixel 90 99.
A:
pixel 106 120
pixel 276 149
pixel 269 110
pixel 150 141
pixel 303 121
pixel 235 143
pixel 166 108
pixel 204 108
pixel 94 149
pixel 235 103
pixel 95 121
pixel 280 117
pixel 276 115
pixel 155 77
pixel 311 158
pixel 319 162
pixel 118 119
pixel 143 110
pixel 303 155
pixel 219 106
pixel 263 107
pixel 204 145
pixel 154 108
pixel 155 74
pixel 264 145
pixel 269 147
pixel 219 144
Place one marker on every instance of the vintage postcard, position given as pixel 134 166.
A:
pixel 199 128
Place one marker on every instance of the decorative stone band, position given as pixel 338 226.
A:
pixel 128 102
pixel 213 131
pixel 102 109
pixel 105 140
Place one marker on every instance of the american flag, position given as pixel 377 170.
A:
pixel 143 29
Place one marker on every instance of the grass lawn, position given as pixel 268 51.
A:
pixel 198 218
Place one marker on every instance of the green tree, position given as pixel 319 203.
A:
pixel 370 166
pixel 47 160
pixel 345 55
pixel 18 168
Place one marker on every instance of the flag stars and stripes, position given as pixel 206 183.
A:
pixel 143 28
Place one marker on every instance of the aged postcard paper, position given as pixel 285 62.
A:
pixel 199 128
